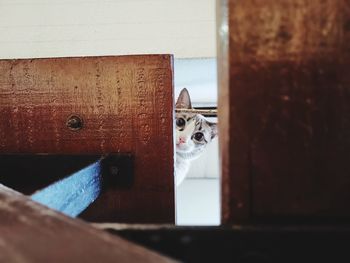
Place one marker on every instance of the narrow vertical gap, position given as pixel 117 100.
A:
pixel 198 196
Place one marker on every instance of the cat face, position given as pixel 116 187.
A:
pixel 193 131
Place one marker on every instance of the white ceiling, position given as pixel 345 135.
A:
pixel 51 28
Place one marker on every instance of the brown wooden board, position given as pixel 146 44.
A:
pixel 30 232
pixel 125 104
pixel 285 104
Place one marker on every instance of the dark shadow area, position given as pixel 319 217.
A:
pixel 246 244
pixel 29 173
pixel 66 183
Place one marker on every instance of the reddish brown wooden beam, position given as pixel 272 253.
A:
pixel 224 111
pixel 125 104
pixel 234 144
pixel 284 110
pixel 30 232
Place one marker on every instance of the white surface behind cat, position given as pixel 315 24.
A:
pixel 199 77
pixel 54 28
pixel 198 202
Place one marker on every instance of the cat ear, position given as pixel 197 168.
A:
pixel 184 100
pixel 214 129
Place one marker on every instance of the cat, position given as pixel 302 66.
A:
pixel 193 134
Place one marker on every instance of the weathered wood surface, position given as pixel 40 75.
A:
pixel 285 108
pixel 126 106
pixel 30 232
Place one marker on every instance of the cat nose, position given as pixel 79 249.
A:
pixel 182 140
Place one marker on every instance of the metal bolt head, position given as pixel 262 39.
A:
pixel 74 122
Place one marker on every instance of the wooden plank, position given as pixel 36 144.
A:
pixel 125 104
pixel 234 189
pixel 233 142
pixel 30 232
pixel 286 114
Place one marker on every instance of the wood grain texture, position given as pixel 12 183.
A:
pixel 30 232
pixel 288 131
pixel 126 105
pixel 223 67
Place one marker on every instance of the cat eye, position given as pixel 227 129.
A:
pixel 180 122
pixel 198 136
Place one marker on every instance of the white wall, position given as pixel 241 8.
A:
pixel 198 202
pixel 199 77
pixel 51 28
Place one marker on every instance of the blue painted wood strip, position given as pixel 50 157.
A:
pixel 73 194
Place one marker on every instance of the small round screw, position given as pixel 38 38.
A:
pixel 74 123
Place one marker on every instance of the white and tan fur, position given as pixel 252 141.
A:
pixel 193 134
